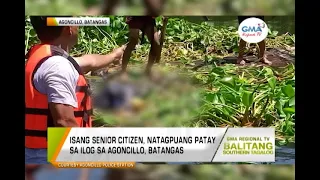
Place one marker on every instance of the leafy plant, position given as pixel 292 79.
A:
pixel 250 96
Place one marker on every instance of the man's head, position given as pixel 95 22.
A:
pixel 66 35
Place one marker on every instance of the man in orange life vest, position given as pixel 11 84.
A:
pixel 56 91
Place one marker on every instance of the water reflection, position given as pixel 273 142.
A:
pixel 285 155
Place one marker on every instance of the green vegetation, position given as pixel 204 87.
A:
pixel 225 95
pixel 173 7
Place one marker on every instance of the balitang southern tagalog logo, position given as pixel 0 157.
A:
pixel 253 30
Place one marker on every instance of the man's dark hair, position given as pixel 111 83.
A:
pixel 45 33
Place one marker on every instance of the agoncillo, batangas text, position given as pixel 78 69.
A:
pixel 81 22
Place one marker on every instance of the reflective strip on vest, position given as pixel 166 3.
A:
pixel 37 114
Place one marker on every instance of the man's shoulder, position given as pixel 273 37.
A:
pixel 56 72
pixel 58 64
pixel 58 61
pixel 56 67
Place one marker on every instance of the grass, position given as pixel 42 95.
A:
pixel 224 95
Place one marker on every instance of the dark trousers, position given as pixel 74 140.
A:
pixel 242 18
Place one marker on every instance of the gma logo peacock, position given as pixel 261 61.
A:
pixel 253 30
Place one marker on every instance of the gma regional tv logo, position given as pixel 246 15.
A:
pixel 253 30
pixel 78 21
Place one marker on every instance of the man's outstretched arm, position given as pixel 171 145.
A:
pixel 92 62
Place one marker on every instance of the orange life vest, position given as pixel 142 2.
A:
pixel 37 114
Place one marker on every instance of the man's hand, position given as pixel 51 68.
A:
pixel 92 62
pixel 118 53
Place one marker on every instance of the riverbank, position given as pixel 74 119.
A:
pixel 226 94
